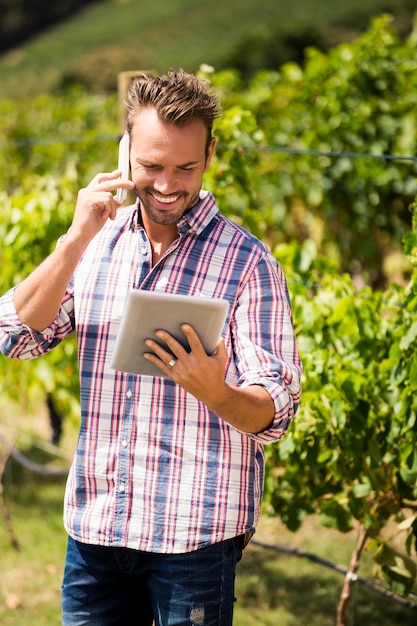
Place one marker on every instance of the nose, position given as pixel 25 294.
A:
pixel 165 182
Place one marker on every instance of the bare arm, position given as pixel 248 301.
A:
pixel 38 298
pixel 249 409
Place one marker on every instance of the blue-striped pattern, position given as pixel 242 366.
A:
pixel 154 469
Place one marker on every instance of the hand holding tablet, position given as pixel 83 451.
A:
pixel 149 311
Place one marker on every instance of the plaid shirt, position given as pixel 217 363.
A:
pixel 154 469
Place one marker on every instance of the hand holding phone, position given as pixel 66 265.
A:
pixel 123 165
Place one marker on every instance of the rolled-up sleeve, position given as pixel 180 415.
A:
pixel 265 347
pixel 18 341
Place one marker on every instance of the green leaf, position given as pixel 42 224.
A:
pixel 334 515
pixel 395 564
pixel 360 490
pixel 409 337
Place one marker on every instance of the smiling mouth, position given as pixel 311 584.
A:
pixel 165 199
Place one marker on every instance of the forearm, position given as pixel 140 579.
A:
pixel 38 298
pixel 249 409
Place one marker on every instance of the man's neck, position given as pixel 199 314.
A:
pixel 160 236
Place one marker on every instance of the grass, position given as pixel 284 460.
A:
pixel 272 587
pixel 30 578
pixel 130 34
pixel 276 588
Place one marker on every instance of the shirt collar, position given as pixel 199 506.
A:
pixel 199 217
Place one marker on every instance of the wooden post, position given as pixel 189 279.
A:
pixel 4 457
pixel 351 577
pixel 123 83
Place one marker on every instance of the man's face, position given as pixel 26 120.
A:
pixel 167 164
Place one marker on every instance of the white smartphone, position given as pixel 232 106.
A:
pixel 123 164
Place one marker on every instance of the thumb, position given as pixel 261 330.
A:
pixel 220 352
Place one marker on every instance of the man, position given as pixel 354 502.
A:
pixel 167 479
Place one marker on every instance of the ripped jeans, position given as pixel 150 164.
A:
pixel 123 587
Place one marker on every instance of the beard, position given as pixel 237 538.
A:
pixel 170 214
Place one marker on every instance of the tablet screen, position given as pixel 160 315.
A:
pixel 148 311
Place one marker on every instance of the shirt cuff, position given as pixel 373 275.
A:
pixel 286 404
pixel 11 323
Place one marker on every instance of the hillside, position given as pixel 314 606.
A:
pixel 106 37
pixel 19 20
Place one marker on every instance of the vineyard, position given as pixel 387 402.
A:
pixel 319 163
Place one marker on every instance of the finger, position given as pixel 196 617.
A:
pixel 90 197
pixel 220 353
pixel 173 344
pixel 100 202
pixel 193 339
pixel 105 181
pixel 122 184
pixel 164 360
pixel 109 211
pixel 165 366
pixel 160 351
pixel 103 176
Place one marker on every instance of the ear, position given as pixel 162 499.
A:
pixel 210 152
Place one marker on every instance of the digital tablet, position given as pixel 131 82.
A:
pixel 148 311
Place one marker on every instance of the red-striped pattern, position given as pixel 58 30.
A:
pixel 154 469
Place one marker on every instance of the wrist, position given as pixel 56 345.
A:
pixel 250 409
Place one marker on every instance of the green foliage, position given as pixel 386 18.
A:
pixel 104 38
pixel 360 99
pixel 48 151
pixel 290 37
pixel 351 453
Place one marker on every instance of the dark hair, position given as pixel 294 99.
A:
pixel 178 98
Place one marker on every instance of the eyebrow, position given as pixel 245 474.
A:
pixel 146 162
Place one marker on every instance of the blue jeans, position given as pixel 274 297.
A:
pixel 123 587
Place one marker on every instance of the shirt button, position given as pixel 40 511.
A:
pixel 121 487
pixel 124 443
pixel 129 393
pixel 143 250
